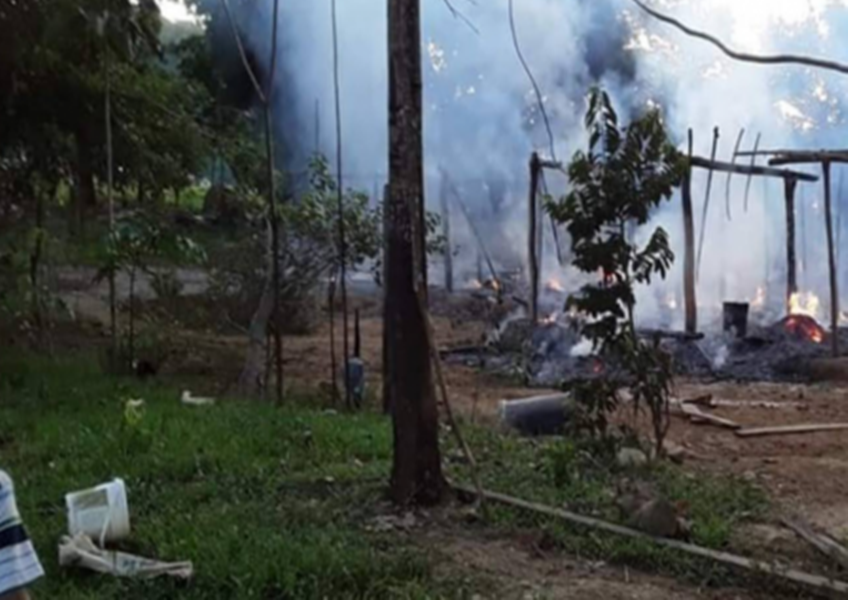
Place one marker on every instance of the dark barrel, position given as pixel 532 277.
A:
pixel 736 318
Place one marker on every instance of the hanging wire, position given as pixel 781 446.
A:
pixel 516 44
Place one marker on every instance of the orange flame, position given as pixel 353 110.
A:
pixel 804 303
pixel 806 326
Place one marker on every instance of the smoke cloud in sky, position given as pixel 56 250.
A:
pixel 482 122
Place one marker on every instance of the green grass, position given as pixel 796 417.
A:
pixel 268 503
pixel 583 478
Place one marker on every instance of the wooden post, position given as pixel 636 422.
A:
pixel 706 212
pixel 689 251
pixel 804 262
pixel 831 256
pixel 446 231
pixel 532 249
pixel 789 186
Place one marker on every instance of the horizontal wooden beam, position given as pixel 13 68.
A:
pixel 808 159
pixel 725 167
pixel 550 164
pixel 794 153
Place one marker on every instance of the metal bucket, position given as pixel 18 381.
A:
pixel 736 318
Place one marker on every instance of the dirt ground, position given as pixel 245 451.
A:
pixel 519 571
pixel 804 474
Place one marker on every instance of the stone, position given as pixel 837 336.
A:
pixel 631 457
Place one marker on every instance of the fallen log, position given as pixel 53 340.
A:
pixel 791 429
pixel 823 543
pixel 777 571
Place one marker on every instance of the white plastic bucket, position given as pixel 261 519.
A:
pixel 101 512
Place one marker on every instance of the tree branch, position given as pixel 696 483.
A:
pixel 458 15
pixel 775 59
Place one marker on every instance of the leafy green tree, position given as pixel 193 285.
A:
pixel 134 246
pixel 616 185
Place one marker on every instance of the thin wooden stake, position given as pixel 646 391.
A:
pixel 446 231
pixel 331 308
pixel 730 175
pixel 706 211
pixel 753 164
pixel 831 256
pixel 689 254
pixel 341 213
pixel 532 249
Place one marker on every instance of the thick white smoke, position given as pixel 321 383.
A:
pixel 481 121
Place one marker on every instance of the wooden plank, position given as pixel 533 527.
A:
pixel 696 415
pixel 725 167
pixel 824 544
pixel 764 568
pixel 791 429
pixel 831 259
pixel 790 186
pixel 809 159
pixel 689 293
pixel 817 155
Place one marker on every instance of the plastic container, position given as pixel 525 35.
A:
pixel 102 512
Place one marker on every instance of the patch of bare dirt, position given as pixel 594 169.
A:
pixel 518 570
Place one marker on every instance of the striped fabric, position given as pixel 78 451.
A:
pixel 19 564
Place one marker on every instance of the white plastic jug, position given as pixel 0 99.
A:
pixel 101 512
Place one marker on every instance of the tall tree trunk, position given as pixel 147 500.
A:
pixel 416 470
pixel 254 373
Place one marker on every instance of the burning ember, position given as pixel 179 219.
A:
pixel 804 327
pixel 554 285
pixel 805 304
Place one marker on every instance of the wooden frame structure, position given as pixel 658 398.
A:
pixel 790 178
pixel 824 158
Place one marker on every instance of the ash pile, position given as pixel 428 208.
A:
pixel 552 353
